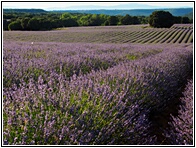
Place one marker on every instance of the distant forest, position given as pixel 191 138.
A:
pixel 38 19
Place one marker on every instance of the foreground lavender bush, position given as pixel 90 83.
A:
pixel 102 107
pixel 181 132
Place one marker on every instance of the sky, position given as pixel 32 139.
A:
pixel 67 5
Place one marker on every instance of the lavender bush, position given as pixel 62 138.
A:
pixel 181 126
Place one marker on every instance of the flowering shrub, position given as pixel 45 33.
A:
pixel 181 126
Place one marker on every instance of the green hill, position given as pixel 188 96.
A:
pixel 133 12
pixel 23 11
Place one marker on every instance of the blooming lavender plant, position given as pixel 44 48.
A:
pixel 181 126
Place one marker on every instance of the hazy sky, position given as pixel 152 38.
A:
pixel 64 5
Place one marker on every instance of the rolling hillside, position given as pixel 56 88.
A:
pixel 133 12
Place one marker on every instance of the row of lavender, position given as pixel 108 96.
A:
pixel 103 107
pixel 25 60
pixel 181 129
pixel 184 26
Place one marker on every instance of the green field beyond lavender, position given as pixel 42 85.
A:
pixel 106 85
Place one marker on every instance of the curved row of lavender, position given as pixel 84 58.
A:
pixel 22 61
pixel 109 107
pixel 181 127
pixel 185 26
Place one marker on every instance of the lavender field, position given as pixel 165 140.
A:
pixel 120 85
pixel 179 33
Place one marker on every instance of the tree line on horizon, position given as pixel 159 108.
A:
pixel 49 20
